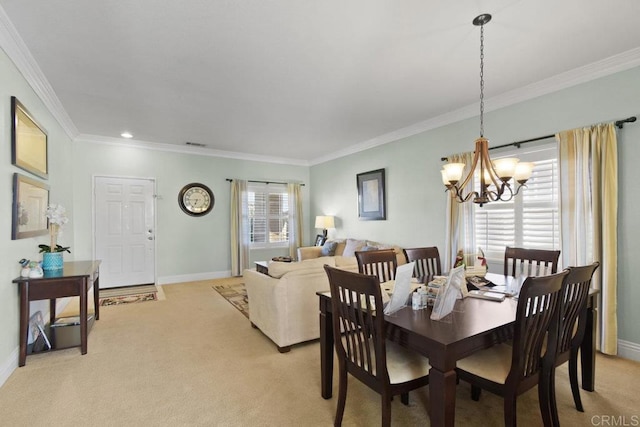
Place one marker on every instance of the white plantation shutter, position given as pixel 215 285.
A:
pixel 529 220
pixel 268 214
pixel 540 220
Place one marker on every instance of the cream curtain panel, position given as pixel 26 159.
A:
pixel 239 232
pixel 460 229
pixel 588 159
pixel 295 218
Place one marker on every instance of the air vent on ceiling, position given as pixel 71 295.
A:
pixel 195 144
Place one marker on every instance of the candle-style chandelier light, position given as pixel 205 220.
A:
pixel 494 175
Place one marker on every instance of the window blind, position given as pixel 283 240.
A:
pixel 268 214
pixel 531 219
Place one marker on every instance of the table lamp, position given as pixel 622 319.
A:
pixel 325 222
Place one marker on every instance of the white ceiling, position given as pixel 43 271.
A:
pixel 303 80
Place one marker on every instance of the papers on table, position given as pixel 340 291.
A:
pixel 490 295
pixel 401 288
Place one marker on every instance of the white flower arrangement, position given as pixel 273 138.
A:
pixel 57 216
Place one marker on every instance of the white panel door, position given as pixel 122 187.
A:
pixel 124 233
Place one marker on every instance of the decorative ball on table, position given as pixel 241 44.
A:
pixel 52 254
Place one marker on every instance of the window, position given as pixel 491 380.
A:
pixel 268 209
pixel 531 219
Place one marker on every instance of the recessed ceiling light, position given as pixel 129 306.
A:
pixel 126 135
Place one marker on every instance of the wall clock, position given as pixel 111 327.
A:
pixel 196 199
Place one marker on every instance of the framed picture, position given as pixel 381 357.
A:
pixel 37 335
pixel 28 141
pixel 320 239
pixel 30 201
pixel 371 195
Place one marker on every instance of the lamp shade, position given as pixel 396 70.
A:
pixel 325 222
pixel 523 171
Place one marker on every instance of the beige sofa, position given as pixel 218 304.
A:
pixel 284 304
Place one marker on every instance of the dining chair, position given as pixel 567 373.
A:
pixel 361 345
pixel 381 263
pixel 509 370
pixel 573 323
pixel 427 261
pixel 530 262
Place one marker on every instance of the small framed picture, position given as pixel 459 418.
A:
pixel 320 239
pixel 37 335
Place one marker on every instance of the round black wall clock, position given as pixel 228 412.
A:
pixel 196 199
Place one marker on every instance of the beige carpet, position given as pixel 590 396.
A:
pixel 194 360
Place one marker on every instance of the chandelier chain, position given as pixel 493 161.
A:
pixel 482 80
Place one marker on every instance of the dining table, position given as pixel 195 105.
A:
pixel 474 324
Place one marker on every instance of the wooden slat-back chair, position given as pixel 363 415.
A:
pixel 530 262
pixel 427 261
pixel 381 263
pixel 362 347
pixel 573 323
pixel 510 370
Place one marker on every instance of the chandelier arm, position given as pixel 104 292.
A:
pixel 518 189
pixel 476 156
pixel 502 192
pixel 458 195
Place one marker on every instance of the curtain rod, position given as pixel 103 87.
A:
pixel 619 123
pixel 263 182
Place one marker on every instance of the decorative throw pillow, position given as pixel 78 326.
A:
pixel 368 248
pixel 329 248
pixel 352 246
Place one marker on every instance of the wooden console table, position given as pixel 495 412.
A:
pixel 75 279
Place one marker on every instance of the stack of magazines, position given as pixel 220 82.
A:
pixel 433 288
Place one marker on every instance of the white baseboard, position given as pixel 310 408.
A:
pixel 9 365
pixel 166 280
pixel 629 350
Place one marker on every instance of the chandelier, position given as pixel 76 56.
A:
pixel 494 175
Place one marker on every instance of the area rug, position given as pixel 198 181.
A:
pixel 128 299
pixel 128 295
pixel 236 294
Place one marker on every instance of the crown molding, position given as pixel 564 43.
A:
pixel 614 64
pixel 17 51
pixel 133 143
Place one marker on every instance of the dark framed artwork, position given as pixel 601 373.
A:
pixel 28 141
pixel 371 195
pixel 30 201
pixel 320 239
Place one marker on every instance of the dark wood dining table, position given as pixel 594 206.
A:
pixel 473 325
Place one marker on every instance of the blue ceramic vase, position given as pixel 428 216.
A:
pixel 52 261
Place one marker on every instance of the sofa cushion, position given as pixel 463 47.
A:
pixel 345 261
pixel 279 269
pixel 368 248
pixel 329 248
pixel 352 246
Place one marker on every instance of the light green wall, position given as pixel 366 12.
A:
pixel 415 195
pixel 60 177
pixel 185 245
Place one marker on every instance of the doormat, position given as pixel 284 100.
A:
pixel 128 299
pixel 129 294
pixel 236 294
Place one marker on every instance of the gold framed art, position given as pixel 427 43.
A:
pixel 29 149
pixel 30 201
